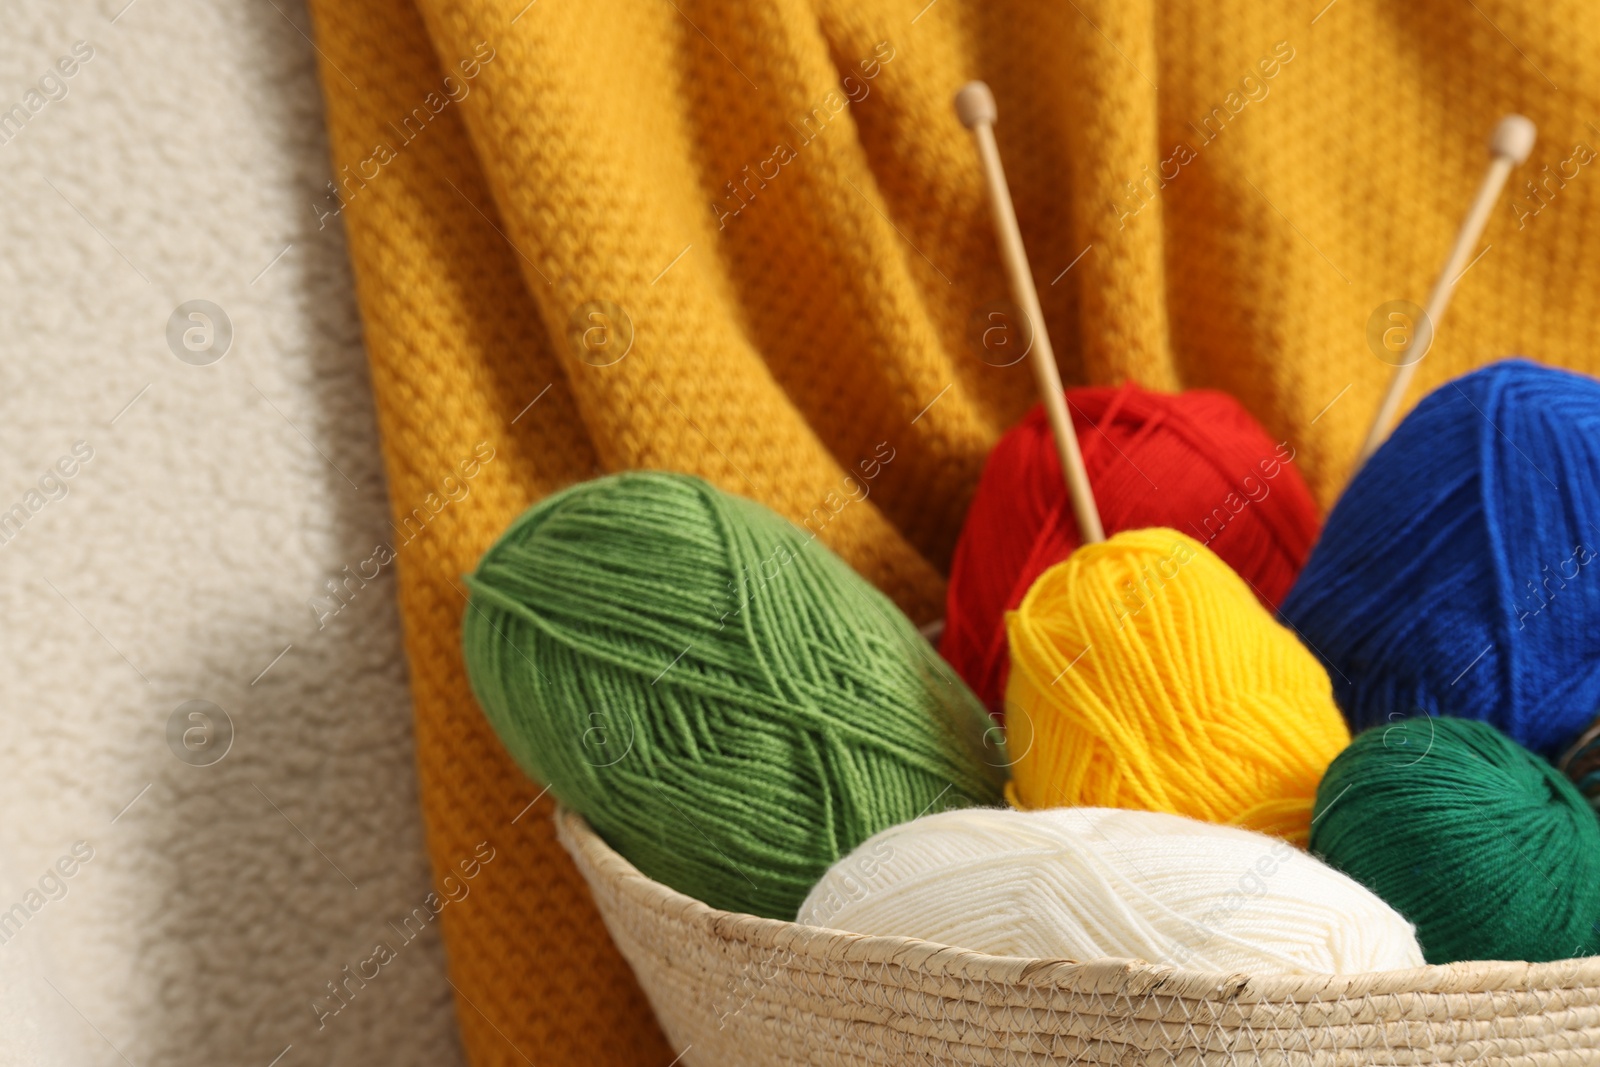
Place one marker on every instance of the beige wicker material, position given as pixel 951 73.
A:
pixel 739 991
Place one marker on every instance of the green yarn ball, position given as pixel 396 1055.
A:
pixel 1483 845
pixel 729 705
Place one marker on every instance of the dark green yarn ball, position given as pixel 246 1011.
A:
pixel 729 705
pixel 1483 845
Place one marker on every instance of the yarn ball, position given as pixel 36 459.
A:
pixel 1091 883
pixel 1457 574
pixel 1196 462
pixel 728 704
pixel 1485 846
pixel 1145 674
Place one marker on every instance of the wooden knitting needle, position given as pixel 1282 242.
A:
pixel 976 108
pixel 1509 145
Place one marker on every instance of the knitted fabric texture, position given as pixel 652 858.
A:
pixel 783 329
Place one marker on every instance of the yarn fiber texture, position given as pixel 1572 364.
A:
pixel 1484 845
pixel 1194 461
pixel 729 705
pixel 1458 574
pixel 1092 883
pixel 1145 674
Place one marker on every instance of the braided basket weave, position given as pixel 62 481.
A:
pixel 738 991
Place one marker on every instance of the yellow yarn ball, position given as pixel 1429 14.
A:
pixel 1146 675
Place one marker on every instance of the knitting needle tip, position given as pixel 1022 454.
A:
pixel 976 108
pixel 1513 138
pixel 1509 145
pixel 975 105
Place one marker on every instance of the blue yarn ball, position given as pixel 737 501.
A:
pixel 1460 572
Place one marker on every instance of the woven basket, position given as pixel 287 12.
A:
pixel 737 991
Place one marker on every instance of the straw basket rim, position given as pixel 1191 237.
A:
pixel 600 864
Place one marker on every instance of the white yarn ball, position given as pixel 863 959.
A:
pixel 1091 883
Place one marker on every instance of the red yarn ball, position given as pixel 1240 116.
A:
pixel 1196 462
